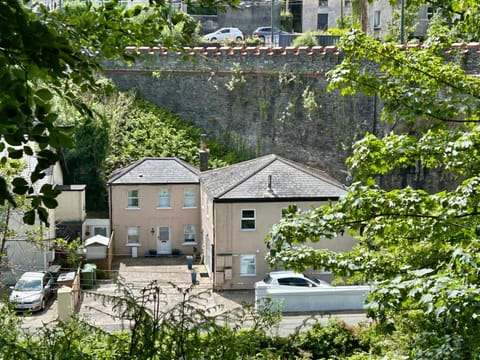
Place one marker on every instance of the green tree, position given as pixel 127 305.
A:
pixel 46 55
pixel 418 249
pixel 9 170
pixel 123 129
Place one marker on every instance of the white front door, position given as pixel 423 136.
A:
pixel 164 244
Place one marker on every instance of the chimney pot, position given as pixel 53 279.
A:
pixel 203 153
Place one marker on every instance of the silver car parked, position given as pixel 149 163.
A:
pixel 32 291
pixel 227 33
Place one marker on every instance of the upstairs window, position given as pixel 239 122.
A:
pixel 164 198
pixel 132 199
pixel 133 235
pixel 189 200
pixel 189 233
pixel 248 220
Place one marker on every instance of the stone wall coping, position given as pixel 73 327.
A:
pixel 214 51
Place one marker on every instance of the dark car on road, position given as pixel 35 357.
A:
pixel 265 31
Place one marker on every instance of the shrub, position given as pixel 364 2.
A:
pixel 306 39
pixel 330 340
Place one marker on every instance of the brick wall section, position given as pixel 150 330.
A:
pixel 264 110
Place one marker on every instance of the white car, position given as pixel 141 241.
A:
pixel 227 33
pixel 32 291
pixel 289 279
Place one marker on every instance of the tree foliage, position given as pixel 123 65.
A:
pixel 49 54
pixel 418 249
pixel 193 328
pixel 123 129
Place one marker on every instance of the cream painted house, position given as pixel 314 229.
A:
pixel 155 207
pixel 241 202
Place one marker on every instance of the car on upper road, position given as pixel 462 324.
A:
pixel 265 31
pixel 32 291
pixel 226 33
pixel 290 279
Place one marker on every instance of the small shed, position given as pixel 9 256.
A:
pixel 97 247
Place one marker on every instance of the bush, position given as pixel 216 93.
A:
pixel 254 41
pixel 330 340
pixel 306 39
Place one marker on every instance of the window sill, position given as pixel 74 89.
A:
pixel 132 208
pixel 189 207
pixel 247 275
pixel 164 208
pixel 133 244
pixel 248 229
pixel 190 243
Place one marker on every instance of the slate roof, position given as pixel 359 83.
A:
pixel 249 180
pixel 151 170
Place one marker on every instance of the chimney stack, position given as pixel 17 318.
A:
pixel 203 153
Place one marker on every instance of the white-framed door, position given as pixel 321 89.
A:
pixel 164 242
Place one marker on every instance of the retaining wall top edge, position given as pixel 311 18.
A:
pixel 472 47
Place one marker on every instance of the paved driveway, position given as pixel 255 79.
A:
pixel 172 276
pixel 139 272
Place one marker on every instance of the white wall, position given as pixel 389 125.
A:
pixel 336 298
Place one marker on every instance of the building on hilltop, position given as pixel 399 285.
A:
pixel 240 204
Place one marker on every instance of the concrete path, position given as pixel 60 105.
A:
pixel 173 278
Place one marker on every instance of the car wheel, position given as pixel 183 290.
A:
pixel 239 38
pixel 43 305
pixel 213 39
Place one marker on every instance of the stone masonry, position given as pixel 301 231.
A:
pixel 263 100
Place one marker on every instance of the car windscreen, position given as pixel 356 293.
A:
pixel 295 281
pixel 315 280
pixel 29 285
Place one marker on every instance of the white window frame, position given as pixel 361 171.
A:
pixel 164 230
pixel 247 262
pixel 189 195
pixel 103 230
pixel 188 231
pixel 133 233
pixel 163 196
pixel 248 219
pixel 133 195
pixel 377 20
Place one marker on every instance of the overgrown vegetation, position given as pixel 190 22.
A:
pixel 419 248
pixel 190 329
pixel 124 129
pixel 305 39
